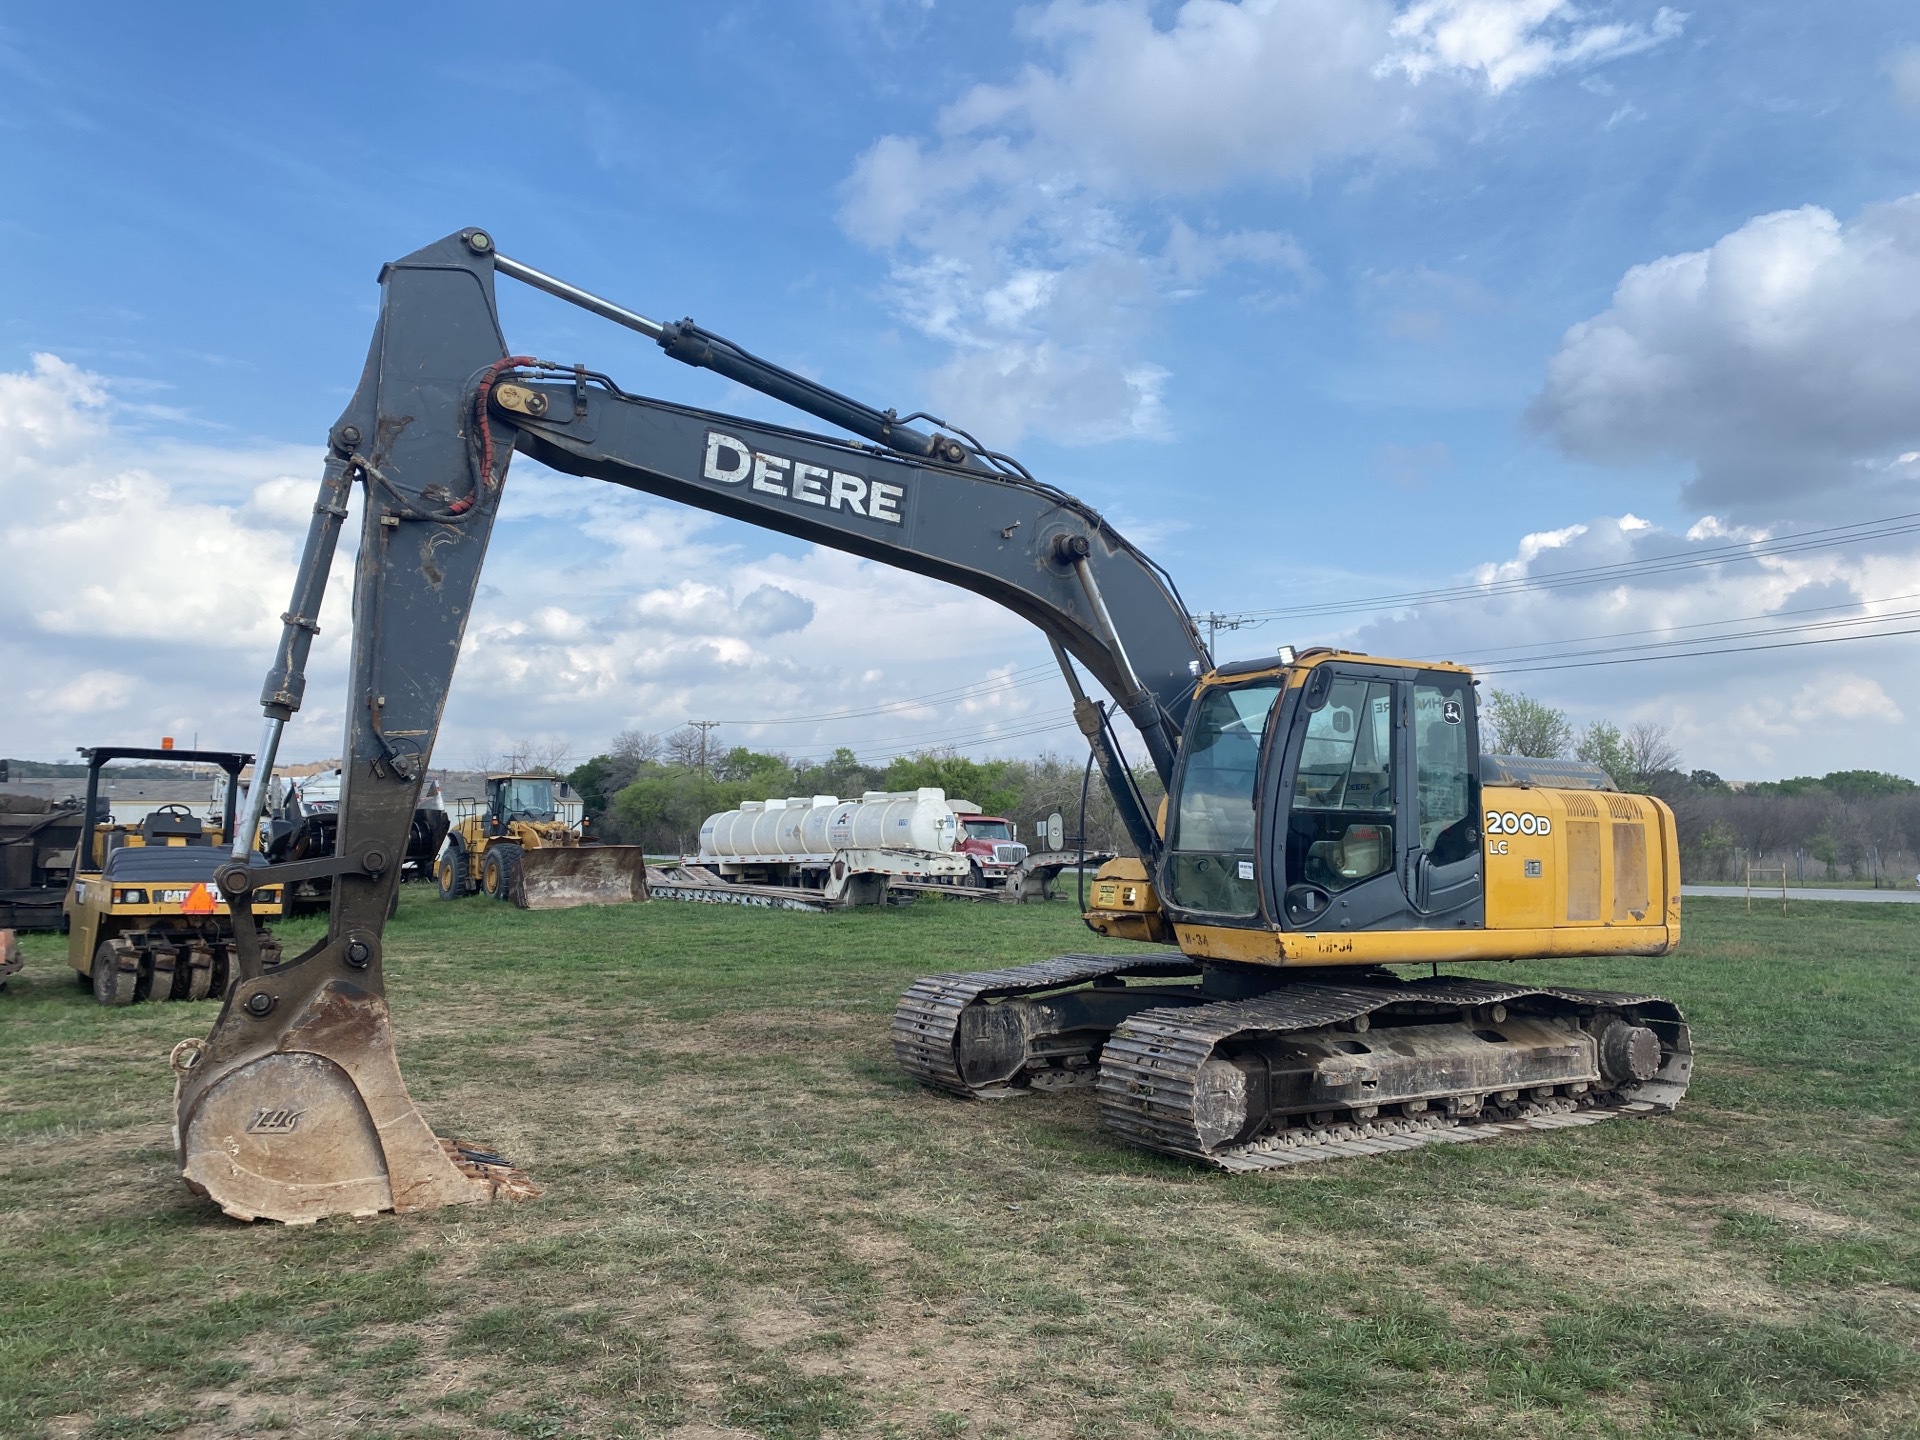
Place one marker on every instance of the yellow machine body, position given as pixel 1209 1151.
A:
pixel 1566 873
pixel 158 929
pixel 517 848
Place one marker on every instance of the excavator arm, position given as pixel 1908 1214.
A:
pixel 293 1107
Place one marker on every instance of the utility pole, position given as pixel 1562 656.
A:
pixel 705 727
pixel 1216 622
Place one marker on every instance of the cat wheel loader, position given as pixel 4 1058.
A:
pixel 1332 836
pixel 518 849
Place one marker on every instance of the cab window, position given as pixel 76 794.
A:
pixel 1440 746
pixel 532 798
pixel 1340 827
pixel 1210 846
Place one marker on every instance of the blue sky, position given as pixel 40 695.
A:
pixel 1322 300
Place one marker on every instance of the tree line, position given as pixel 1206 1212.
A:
pixel 1861 825
pixel 654 790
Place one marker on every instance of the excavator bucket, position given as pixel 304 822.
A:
pixel 560 877
pixel 298 1118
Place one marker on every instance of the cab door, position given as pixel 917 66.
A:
pixel 1443 866
pixel 1375 802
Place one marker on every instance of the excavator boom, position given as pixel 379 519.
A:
pixel 293 1107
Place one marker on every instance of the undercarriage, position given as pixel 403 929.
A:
pixel 1251 1069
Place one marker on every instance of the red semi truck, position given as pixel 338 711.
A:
pixel 990 843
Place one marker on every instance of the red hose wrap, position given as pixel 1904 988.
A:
pixel 487 379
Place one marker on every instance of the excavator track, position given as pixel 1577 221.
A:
pixel 928 1024
pixel 1186 1080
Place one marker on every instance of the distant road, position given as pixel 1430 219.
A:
pixel 1738 892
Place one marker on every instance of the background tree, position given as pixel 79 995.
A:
pixel 691 746
pixel 652 791
pixel 604 776
pixel 840 775
pixel 528 757
pixel 1602 744
pixel 1651 756
pixel 1519 725
pixel 988 784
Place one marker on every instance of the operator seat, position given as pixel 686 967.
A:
pixel 166 827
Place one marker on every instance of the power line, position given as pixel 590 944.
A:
pixel 1530 668
pixel 705 727
pixel 1808 540
pixel 1216 622
pixel 1024 733
pixel 974 734
pixel 1763 633
pixel 1697 625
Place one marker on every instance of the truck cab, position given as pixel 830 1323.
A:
pixel 991 844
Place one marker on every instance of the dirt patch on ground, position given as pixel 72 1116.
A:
pixel 1801 1215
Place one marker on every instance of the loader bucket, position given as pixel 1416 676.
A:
pixel 560 877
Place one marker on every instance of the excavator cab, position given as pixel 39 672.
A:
pixel 1344 792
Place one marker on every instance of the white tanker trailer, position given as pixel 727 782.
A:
pixel 818 840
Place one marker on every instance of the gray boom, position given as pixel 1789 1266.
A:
pixel 441 406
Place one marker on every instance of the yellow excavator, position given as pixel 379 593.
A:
pixel 1331 839
pixel 517 848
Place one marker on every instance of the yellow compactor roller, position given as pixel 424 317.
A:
pixel 145 920
pixel 1333 848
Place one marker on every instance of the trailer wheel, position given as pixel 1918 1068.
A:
pixel 111 984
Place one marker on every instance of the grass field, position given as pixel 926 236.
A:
pixel 753 1226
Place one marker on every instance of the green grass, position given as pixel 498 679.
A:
pixel 754 1225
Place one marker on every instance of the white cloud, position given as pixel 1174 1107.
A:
pixel 92 692
pixel 1037 232
pixel 146 580
pixel 1781 362
pixel 1510 41
pixel 1807 709
pixel 1849 697
pixel 139 570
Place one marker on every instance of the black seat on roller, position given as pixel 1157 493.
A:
pixel 165 825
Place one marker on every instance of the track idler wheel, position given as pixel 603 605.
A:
pixel 1629 1052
